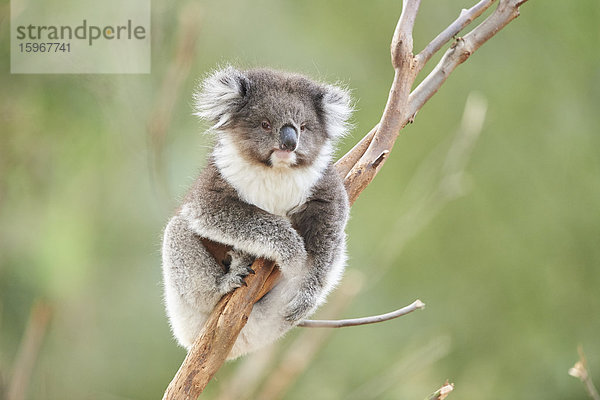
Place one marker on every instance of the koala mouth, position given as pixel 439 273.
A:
pixel 281 158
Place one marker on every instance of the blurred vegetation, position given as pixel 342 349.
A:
pixel 510 270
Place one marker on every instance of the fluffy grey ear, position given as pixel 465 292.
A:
pixel 220 95
pixel 337 108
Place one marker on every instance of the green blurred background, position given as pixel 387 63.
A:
pixel 92 166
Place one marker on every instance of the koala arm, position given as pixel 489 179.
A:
pixel 321 224
pixel 218 214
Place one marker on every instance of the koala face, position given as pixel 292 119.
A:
pixel 273 118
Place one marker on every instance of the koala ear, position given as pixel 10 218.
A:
pixel 337 108
pixel 220 95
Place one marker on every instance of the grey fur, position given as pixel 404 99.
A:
pixel 288 207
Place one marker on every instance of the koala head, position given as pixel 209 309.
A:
pixel 274 118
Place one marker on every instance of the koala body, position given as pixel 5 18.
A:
pixel 269 191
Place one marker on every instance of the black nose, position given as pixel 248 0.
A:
pixel 288 138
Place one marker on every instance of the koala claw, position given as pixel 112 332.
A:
pixel 229 282
pixel 239 268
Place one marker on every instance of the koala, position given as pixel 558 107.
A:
pixel 269 190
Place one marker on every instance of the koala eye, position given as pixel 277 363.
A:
pixel 266 125
pixel 302 127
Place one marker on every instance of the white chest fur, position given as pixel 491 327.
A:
pixel 274 189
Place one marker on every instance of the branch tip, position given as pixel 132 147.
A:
pixel 580 371
pixel 446 389
pixel 442 392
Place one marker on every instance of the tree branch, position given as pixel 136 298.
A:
pixel 226 321
pixel 224 324
pixel 416 305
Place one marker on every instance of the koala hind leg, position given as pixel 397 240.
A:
pixel 266 322
pixel 194 281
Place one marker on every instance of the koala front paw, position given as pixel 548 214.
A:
pixel 239 268
pixel 298 308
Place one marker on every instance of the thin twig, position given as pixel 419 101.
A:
pixel 416 305
pixel 580 370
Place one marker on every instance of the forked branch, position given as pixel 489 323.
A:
pixel 403 105
pixel 463 20
pixel 359 167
